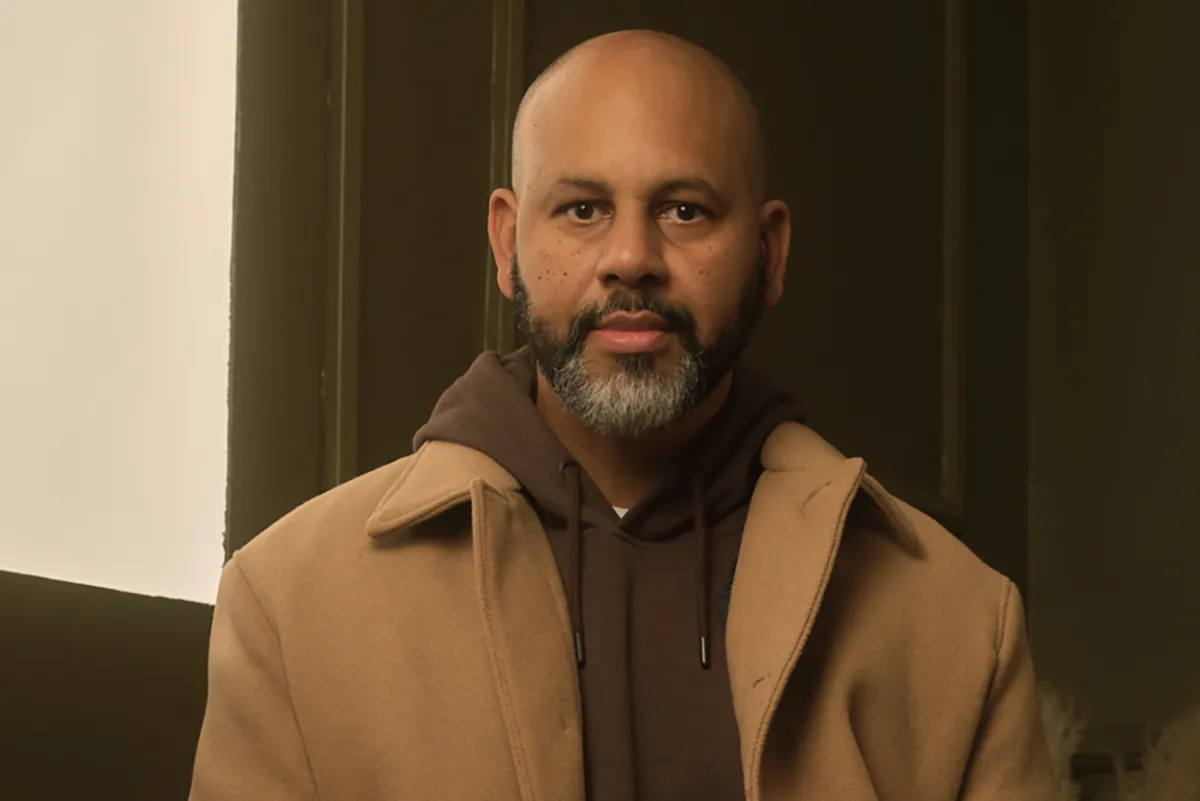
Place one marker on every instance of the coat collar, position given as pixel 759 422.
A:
pixel 438 478
pixel 798 450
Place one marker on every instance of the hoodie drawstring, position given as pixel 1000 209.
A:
pixel 574 571
pixel 575 558
pixel 703 574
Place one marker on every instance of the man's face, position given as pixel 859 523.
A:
pixel 643 391
pixel 640 277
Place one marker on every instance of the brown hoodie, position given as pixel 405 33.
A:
pixel 648 591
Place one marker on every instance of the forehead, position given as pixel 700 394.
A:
pixel 630 126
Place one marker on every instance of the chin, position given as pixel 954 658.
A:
pixel 606 363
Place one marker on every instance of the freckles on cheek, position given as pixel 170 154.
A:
pixel 547 268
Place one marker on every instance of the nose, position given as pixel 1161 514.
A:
pixel 632 257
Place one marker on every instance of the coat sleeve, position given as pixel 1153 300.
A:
pixel 250 745
pixel 1011 755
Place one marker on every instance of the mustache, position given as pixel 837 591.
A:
pixel 677 317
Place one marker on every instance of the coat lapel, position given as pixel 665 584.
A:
pixel 525 620
pixel 522 607
pixel 791 538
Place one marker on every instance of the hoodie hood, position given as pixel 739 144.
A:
pixel 491 409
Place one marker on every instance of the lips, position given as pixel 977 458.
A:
pixel 631 333
pixel 622 321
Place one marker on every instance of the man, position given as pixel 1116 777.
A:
pixel 618 566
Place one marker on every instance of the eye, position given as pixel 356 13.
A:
pixel 582 212
pixel 687 212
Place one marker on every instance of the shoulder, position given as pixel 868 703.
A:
pixel 942 549
pixel 334 541
pixel 890 550
pixel 320 529
pixel 926 579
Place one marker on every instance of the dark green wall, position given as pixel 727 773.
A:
pixel 1115 370
pixel 426 137
pixel 279 262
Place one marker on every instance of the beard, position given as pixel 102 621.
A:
pixel 638 399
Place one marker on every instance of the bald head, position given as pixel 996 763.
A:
pixel 638 184
pixel 643 69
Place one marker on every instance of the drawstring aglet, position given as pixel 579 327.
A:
pixel 579 654
pixel 704 660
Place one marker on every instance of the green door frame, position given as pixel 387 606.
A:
pixel 295 333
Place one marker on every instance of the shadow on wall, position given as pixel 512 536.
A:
pixel 101 692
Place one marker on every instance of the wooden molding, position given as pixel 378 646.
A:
pixel 339 376
pixel 951 492
pixel 508 57
pixel 280 264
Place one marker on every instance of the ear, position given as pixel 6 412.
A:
pixel 502 233
pixel 776 233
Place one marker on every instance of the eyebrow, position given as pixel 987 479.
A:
pixel 664 187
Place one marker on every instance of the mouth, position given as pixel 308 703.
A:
pixel 623 321
pixel 631 333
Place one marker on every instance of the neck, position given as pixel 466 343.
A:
pixel 626 470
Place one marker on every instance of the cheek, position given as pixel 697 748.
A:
pixel 547 296
pixel 552 262
pixel 714 297
pixel 556 277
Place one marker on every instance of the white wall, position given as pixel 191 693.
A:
pixel 116 182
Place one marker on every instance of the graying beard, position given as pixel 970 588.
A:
pixel 631 403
